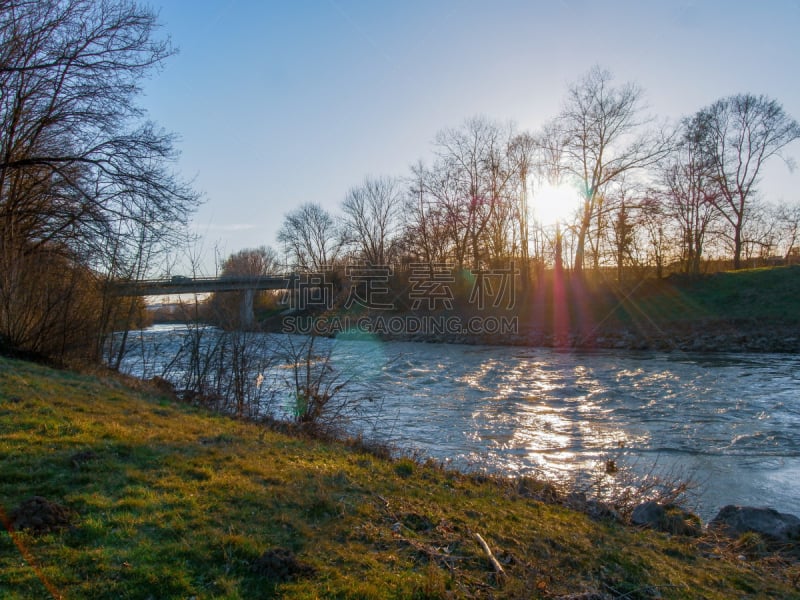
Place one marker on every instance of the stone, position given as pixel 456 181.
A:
pixel 595 509
pixel 576 500
pixel 600 511
pixel 666 517
pixel 768 522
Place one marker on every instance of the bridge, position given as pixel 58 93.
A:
pixel 178 284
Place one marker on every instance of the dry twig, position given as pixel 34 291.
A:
pixel 498 568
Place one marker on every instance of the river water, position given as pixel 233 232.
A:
pixel 730 422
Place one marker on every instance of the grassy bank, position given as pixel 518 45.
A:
pixel 167 501
pixel 768 295
pixel 752 310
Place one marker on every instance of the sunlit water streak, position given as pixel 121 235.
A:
pixel 732 421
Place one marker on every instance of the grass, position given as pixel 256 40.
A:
pixel 765 293
pixel 747 301
pixel 171 502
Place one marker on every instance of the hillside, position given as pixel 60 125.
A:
pixel 157 499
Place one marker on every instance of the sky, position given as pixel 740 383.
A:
pixel 276 104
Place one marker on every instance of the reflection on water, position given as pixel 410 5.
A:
pixel 732 420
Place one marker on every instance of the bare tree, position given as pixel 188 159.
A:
pixel 252 262
pixel 597 138
pixel 471 187
pixel 442 211
pixel 739 134
pixel 788 217
pixel 503 235
pixel 424 236
pixel 657 232
pixel 623 230
pixel 310 234
pixel 760 234
pixel 472 182
pixel 78 161
pixel 549 240
pixel 690 195
pixel 130 254
pixel 75 156
pixel 521 153
pixel 370 220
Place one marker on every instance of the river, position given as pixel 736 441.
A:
pixel 730 422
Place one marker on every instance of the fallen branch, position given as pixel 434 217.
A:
pixel 498 568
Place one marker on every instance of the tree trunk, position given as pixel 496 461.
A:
pixel 558 261
pixel 523 231
pixel 737 243
pixel 580 245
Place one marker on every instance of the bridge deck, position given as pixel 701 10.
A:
pixel 189 285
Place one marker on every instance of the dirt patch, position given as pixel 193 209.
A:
pixel 81 458
pixel 39 516
pixel 417 522
pixel 280 564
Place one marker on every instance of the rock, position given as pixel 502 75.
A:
pixel 667 517
pixel 768 522
pixel 600 511
pixel 576 500
pixel 595 509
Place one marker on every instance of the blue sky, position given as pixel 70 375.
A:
pixel 280 103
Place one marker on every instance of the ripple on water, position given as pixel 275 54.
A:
pixel 734 419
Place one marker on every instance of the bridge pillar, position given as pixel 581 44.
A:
pixel 246 315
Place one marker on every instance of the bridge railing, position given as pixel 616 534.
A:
pixel 181 284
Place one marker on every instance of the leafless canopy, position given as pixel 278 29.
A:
pixel 597 138
pixel 370 219
pixel 76 156
pixel 310 237
pixel 738 135
pixel 83 175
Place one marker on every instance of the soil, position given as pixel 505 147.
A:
pixel 280 564
pixel 39 516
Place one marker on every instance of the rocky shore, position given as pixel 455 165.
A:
pixel 709 336
pixel 731 521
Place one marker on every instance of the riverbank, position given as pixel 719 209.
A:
pixel 702 335
pixel 159 499
pixel 752 310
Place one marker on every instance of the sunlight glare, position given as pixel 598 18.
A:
pixel 555 203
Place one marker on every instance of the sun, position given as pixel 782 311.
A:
pixel 555 203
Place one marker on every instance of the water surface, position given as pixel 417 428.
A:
pixel 729 421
